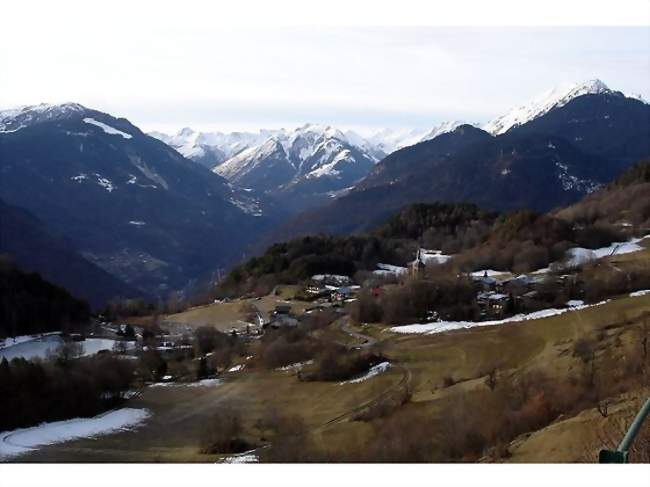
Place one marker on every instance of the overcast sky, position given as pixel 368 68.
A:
pixel 165 77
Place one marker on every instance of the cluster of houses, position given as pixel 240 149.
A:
pixel 502 292
pixel 331 288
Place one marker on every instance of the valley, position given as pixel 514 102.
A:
pixel 457 294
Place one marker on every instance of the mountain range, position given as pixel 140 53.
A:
pixel 139 214
pixel 301 168
pixel 548 155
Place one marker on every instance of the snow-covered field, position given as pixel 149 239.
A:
pixel 23 440
pixel 488 272
pixel 433 256
pixel 42 347
pixel 443 326
pixel 198 383
pixel 295 367
pixel 388 269
pixel 374 371
pixel 579 255
pixel 7 342
pixel 246 457
pixel 637 294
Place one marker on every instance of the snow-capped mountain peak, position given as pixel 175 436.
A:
pixel 211 148
pixel 14 119
pixel 542 104
pixel 287 159
pixel 443 128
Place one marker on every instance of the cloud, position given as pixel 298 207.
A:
pixel 174 76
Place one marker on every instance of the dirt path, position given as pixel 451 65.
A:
pixel 366 341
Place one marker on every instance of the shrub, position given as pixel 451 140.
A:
pixel 222 433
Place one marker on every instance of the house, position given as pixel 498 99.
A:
pixel 282 321
pixel 343 293
pixel 493 304
pixel 282 309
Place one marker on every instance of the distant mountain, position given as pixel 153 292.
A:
pixel 301 167
pixel 35 248
pixel 211 148
pixel 127 202
pixel 554 159
pixel 390 140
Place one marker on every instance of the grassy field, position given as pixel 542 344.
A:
pixel 439 370
pixel 225 316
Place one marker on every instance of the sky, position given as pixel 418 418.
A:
pixel 211 76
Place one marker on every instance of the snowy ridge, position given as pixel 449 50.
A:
pixel 390 140
pixel 542 104
pixel 221 146
pixel 289 157
pixel 15 119
pixel 443 128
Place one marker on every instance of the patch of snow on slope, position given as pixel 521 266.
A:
pixel 20 441
pixel 246 457
pixel 107 128
pixel 638 294
pixel 580 256
pixel 247 205
pixel 295 367
pixel 570 182
pixel 443 326
pixel 372 372
pixel 105 183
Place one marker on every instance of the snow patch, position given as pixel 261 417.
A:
pixel 199 383
pixel 388 269
pixel 433 256
pixel 372 372
pixel 24 440
pixel 107 128
pixel 295 367
pixel 637 294
pixel 105 183
pixel 246 457
pixel 580 255
pixel 443 326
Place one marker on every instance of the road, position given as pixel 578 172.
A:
pixel 366 341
